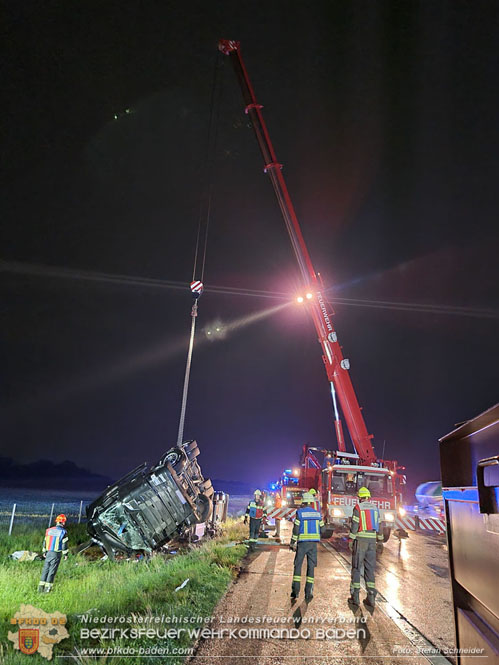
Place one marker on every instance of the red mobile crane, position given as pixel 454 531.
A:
pixel 339 474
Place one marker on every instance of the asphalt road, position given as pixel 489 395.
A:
pixel 413 613
pixel 413 576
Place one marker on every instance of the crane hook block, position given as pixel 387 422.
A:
pixel 196 288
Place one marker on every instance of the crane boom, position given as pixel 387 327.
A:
pixel 336 365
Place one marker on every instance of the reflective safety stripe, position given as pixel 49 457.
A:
pixel 369 517
pixel 352 536
pixel 309 522
pixel 256 510
pixel 367 534
pixel 370 585
pixel 356 585
pixel 355 518
pixel 54 537
pixel 296 578
pixel 310 580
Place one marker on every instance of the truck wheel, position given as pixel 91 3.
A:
pixel 386 533
pixel 327 531
pixel 193 452
pixel 175 458
pixel 203 508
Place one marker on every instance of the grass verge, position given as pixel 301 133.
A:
pixel 134 590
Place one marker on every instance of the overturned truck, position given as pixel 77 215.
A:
pixel 151 505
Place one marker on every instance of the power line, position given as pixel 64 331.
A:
pixel 17 267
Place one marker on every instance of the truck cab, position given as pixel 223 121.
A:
pixel 341 481
pixel 292 495
pixel 339 475
pixel 151 505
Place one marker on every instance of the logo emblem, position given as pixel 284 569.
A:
pixel 45 631
pixel 29 640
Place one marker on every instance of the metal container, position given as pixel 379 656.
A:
pixel 469 459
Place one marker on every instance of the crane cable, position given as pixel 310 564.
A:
pixel 204 216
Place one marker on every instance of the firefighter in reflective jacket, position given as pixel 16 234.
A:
pixel 364 540
pixel 277 506
pixel 256 511
pixel 54 547
pixel 306 534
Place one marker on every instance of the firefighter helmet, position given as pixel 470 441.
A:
pixel 60 518
pixel 312 491
pixel 257 492
pixel 364 493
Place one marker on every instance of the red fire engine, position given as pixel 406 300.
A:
pixel 339 474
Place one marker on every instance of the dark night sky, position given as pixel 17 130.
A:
pixel 385 117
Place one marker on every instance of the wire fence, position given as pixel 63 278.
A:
pixel 39 511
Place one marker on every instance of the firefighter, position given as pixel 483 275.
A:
pixel 306 534
pixel 277 506
pixel 364 541
pixel 256 511
pixel 54 547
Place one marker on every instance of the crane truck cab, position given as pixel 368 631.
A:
pixel 338 475
pixel 341 479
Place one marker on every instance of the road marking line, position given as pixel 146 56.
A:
pixel 416 638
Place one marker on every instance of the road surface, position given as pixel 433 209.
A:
pixel 413 615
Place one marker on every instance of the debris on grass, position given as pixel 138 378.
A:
pixel 182 585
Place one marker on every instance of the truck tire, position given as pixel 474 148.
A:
pixel 327 532
pixel 175 458
pixel 203 508
pixel 193 452
pixel 386 533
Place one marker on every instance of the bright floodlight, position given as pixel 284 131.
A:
pixel 299 299
pixel 309 296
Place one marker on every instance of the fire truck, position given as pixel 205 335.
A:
pixel 291 488
pixel 337 477
pixel 339 474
